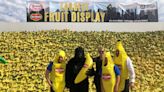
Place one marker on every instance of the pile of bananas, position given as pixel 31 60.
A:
pixel 29 53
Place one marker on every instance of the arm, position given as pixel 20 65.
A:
pixel 47 77
pixel 48 70
pixel 90 72
pixel 131 71
pixel 117 72
pixel 117 83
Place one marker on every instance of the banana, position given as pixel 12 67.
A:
pixel 87 65
pixel 147 52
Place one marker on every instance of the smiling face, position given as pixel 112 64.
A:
pixel 101 52
pixel 60 57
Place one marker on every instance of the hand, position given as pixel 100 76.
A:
pixel 89 72
pixel 116 89
pixel 131 85
pixel 68 85
pixel 67 89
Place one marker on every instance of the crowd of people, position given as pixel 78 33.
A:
pixel 111 74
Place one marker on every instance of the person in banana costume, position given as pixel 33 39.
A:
pixel 98 71
pixel 125 65
pixel 110 76
pixel 76 78
pixel 55 73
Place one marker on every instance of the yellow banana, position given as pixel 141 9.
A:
pixel 82 74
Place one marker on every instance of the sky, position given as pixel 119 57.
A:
pixel 15 10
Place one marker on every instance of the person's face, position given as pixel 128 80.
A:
pixel 60 59
pixel 101 52
pixel 117 53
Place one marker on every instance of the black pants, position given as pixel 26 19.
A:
pixel 126 89
pixel 80 88
pixel 97 83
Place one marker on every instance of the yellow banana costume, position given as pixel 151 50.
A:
pixel 108 74
pixel 82 74
pixel 57 75
pixel 120 61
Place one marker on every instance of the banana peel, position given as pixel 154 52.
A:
pixel 82 74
